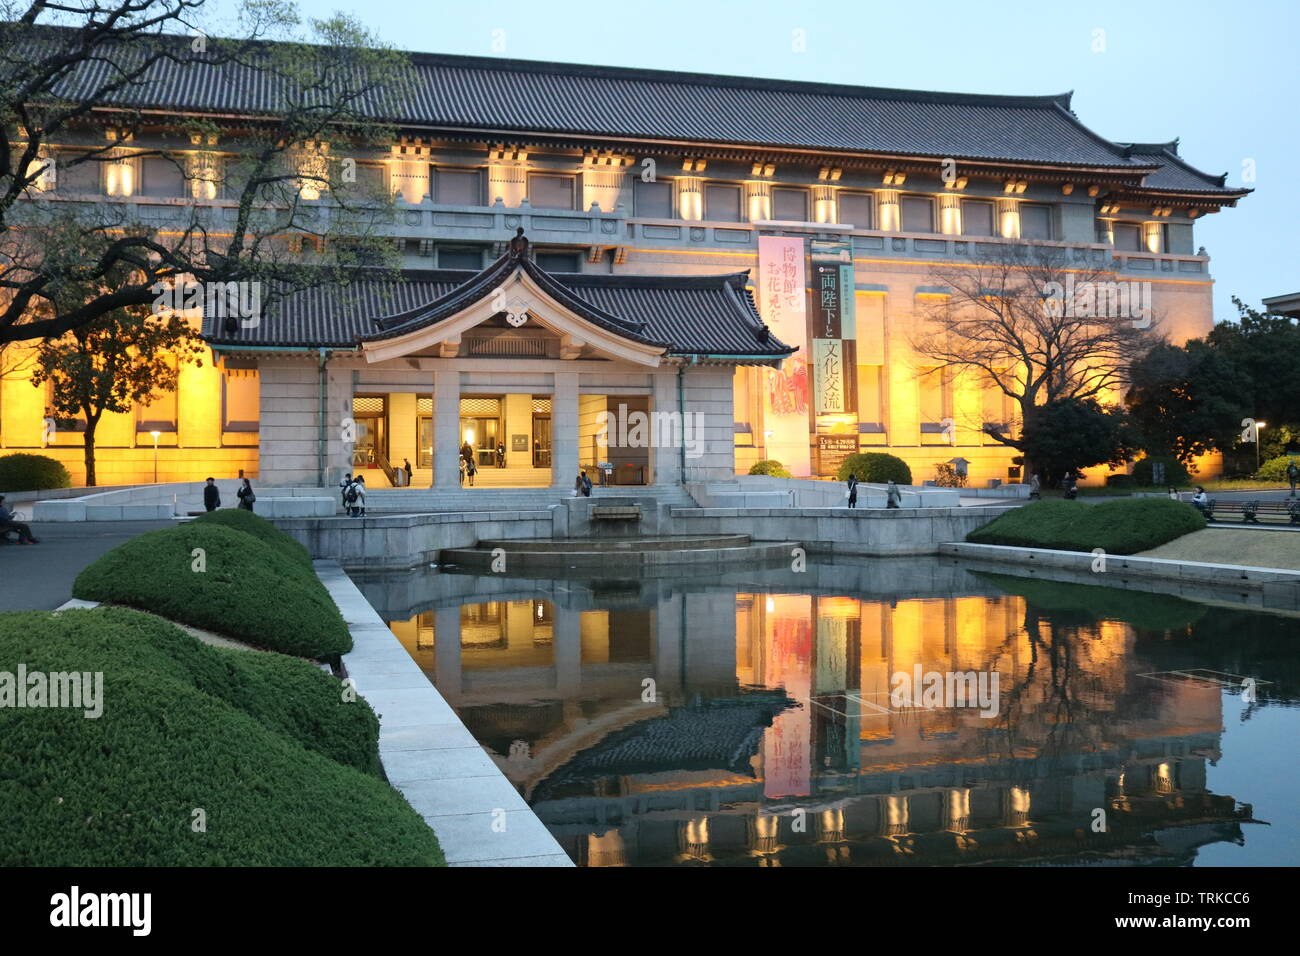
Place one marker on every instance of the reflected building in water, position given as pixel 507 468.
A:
pixel 727 726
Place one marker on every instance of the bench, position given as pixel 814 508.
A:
pixel 1251 510
pixel 616 513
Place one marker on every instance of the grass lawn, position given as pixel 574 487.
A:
pixel 1255 549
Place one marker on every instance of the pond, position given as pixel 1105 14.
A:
pixel 883 713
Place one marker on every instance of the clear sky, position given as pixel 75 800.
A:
pixel 1223 77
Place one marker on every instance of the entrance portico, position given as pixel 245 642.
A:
pixel 627 377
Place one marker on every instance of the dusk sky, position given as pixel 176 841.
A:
pixel 1223 78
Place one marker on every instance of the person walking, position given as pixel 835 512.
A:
pixel 586 484
pixel 246 496
pixel 579 485
pixel 471 470
pixel 1292 475
pixel 853 491
pixel 211 495
pixel 1035 488
pixel 893 497
pixel 344 485
pixel 1070 484
pixel 9 522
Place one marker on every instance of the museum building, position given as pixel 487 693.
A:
pixel 659 277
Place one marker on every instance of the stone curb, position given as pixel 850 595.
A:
pixel 428 754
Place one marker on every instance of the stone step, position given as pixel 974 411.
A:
pixel 602 563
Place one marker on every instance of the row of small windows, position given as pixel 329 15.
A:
pixel 162 177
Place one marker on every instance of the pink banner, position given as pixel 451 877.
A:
pixel 787 744
pixel 782 300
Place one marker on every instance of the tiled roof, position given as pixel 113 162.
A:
pixel 690 315
pixel 499 96
pixel 720 734
pixel 1175 174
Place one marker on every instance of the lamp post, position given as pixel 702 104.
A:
pixel 1259 427
pixel 155 456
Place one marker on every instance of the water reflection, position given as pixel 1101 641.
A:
pixel 739 723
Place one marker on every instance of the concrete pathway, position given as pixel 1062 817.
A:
pixel 39 577
pixel 429 755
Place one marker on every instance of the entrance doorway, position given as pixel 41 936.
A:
pixel 541 433
pixel 370 412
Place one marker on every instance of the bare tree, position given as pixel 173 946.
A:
pixel 1028 322
pixel 277 207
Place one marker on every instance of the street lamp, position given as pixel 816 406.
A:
pixel 1259 427
pixel 155 456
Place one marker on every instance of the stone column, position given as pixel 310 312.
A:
pixel 446 429
pixel 446 650
pixel 665 460
pixel 568 651
pixel 564 430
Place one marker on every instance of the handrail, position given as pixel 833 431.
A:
pixel 388 469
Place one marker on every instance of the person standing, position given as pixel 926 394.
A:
pixel 579 485
pixel 853 491
pixel 501 455
pixel 461 466
pixel 471 470
pixel 406 466
pixel 359 501
pixel 586 484
pixel 211 495
pixel 1292 475
pixel 893 497
pixel 246 496
pixel 344 485
pixel 1035 488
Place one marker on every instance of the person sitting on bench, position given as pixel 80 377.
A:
pixel 8 523
pixel 1200 500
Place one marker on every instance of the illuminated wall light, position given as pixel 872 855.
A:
pixel 769 170
pixel 1151 236
pixel 1067 188
pixel 950 215
pixel 760 207
pixel 1009 218
pixel 958 183
pixel 893 177
pixel 690 199
pixel 1093 190
pixel 1021 186
pixel 887 212
pixel 1193 213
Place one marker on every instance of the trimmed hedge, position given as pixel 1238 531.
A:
pixel 770 466
pixel 282 768
pixel 875 466
pixel 1122 526
pixel 1275 468
pixel 32 473
pixel 260 528
pixel 250 590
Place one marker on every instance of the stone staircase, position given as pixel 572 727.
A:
pixel 480 498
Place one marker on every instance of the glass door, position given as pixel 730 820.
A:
pixel 541 441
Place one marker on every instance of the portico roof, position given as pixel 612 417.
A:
pixel 703 316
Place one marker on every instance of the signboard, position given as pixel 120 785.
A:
pixel 787 744
pixel 782 300
pixel 833 328
pixel 832 450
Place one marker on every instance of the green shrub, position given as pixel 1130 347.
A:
pixel 1175 471
pixel 32 473
pixel 249 590
pixel 1120 481
pixel 260 528
pixel 183 727
pixel 1275 468
pixel 875 466
pixel 1122 526
pixel 770 466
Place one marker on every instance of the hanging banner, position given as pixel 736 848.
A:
pixel 832 328
pixel 782 300
pixel 787 744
